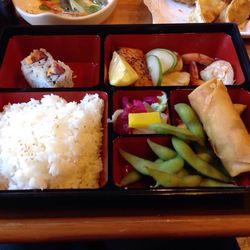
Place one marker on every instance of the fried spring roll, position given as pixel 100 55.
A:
pixel 240 108
pixel 223 125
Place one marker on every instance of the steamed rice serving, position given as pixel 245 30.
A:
pixel 51 143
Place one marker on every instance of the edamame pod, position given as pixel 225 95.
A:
pixel 172 166
pixel 202 153
pixel 140 164
pixel 131 177
pixel 203 167
pixel 213 183
pixel 169 180
pixel 181 133
pixel 164 179
pixel 190 119
pixel 190 181
pixel 192 122
pixel 137 162
pixel 157 161
pixel 183 172
pixel 161 151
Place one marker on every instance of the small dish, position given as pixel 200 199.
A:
pixel 24 9
pixel 240 96
pixel 137 101
pixel 70 96
pixel 81 55
pixel 217 45
pixel 130 144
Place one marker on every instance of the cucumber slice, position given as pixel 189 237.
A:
pixel 155 70
pixel 167 58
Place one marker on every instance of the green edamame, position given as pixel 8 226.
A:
pixel 172 166
pixel 161 151
pixel 183 172
pixel 203 167
pixel 190 119
pixel 138 163
pixel 190 181
pixel 164 179
pixel 203 153
pixel 169 180
pixel 157 161
pixel 131 177
pixel 192 122
pixel 213 183
pixel 181 133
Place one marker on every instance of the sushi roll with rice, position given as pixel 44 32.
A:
pixel 42 71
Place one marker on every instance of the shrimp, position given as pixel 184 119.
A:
pixel 192 59
pixel 219 69
pixel 198 58
pixel 194 74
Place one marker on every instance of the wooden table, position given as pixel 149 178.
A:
pixel 169 217
pixel 174 217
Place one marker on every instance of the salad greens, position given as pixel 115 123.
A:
pixel 161 105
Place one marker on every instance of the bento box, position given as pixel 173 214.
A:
pixel 71 126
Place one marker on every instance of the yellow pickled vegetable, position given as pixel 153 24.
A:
pixel 143 120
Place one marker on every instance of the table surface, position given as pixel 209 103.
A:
pixel 169 217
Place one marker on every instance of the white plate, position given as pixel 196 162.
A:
pixel 168 11
pixel 24 9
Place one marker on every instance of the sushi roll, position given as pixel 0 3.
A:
pixel 42 71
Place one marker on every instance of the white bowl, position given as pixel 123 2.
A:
pixel 48 18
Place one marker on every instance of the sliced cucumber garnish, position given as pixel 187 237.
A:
pixel 167 58
pixel 155 69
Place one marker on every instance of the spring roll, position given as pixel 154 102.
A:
pixel 240 108
pixel 223 125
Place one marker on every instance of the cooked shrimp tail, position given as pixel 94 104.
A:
pixel 198 58
pixel 194 74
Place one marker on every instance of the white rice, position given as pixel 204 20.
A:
pixel 51 143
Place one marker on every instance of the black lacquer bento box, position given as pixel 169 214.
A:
pixel 88 51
